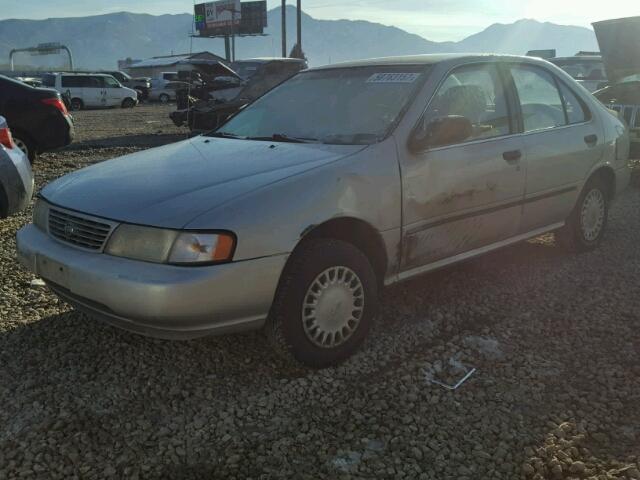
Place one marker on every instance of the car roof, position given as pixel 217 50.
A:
pixel 84 74
pixel 269 59
pixel 429 59
pixel 592 58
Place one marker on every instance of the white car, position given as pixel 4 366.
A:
pixel 91 90
pixel 166 93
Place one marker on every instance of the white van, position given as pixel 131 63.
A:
pixel 91 90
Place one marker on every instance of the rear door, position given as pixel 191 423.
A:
pixel 562 141
pixel 462 197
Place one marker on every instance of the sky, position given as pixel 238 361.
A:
pixel 438 20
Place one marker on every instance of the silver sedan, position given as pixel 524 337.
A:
pixel 294 214
pixel 16 177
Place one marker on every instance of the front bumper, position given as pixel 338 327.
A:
pixel 163 301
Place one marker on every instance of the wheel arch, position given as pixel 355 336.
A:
pixel 358 233
pixel 608 176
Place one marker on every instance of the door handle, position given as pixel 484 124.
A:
pixel 512 156
pixel 591 140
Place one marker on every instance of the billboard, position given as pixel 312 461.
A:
pixel 223 13
pixel 230 17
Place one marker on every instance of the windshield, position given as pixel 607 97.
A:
pixel 338 106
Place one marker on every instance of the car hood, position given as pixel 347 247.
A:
pixel 171 185
pixel 618 40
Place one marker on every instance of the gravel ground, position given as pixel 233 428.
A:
pixel 554 338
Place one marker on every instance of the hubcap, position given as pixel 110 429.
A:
pixel 592 215
pixel 21 145
pixel 333 307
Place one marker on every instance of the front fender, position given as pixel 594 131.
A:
pixel 273 219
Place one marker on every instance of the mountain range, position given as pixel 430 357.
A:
pixel 99 41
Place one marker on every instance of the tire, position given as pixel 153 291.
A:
pixel 164 98
pixel 76 104
pixel 341 281
pixel 128 103
pixel 587 223
pixel 4 204
pixel 24 143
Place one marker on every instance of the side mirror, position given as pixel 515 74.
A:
pixel 439 132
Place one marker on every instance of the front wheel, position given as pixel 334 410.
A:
pixel 128 103
pixel 164 98
pixel 586 225
pixel 325 303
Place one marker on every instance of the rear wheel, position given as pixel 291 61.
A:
pixel 128 103
pixel 25 144
pixel 76 104
pixel 586 225
pixel 164 98
pixel 325 303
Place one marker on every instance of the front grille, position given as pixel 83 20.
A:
pixel 79 231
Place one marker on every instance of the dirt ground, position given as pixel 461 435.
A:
pixel 554 338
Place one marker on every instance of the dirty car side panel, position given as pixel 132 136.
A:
pixel 363 186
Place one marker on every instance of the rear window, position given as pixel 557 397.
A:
pixel 49 80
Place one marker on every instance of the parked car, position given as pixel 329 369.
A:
pixel 141 85
pixel 587 70
pixel 16 177
pixel 342 180
pixel 37 117
pixel 223 96
pixel 91 90
pixel 167 93
pixel 618 41
pixel 624 97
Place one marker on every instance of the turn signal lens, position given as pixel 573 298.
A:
pixel 195 247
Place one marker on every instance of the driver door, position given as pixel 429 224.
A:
pixel 461 197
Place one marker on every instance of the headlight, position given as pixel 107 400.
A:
pixel 41 214
pixel 157 245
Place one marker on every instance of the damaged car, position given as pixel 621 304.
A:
pixel 618 41
pixel 217 97
pixel 294 214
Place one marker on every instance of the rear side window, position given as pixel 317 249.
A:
pixel 71 81
pixel 576 110
pixel 540 99
pixel 475 92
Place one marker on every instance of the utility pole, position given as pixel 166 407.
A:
pixel 284 28
pixel 300 26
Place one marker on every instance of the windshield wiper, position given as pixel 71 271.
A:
pixel 280 137
pixel 224 135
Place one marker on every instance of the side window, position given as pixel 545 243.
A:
pixel 576 111
pixel 110 82
pixel 539 98
pixel 70 81
pixel 93 82
pixel 474 92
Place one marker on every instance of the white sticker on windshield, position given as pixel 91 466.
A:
pixel 398 77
